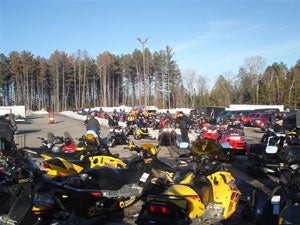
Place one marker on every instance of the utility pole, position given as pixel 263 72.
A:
pixel 143 42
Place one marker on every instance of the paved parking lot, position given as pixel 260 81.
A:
pixel 36 125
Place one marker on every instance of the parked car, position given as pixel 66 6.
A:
pixel 236 114
pixel 263 118
pixel 248 120
pixel 221 116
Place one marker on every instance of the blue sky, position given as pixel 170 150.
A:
pixel 210 37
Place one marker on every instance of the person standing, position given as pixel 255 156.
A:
pixel 112 120
pixel 184 123
pixel 8 119
pixel 212 117
pixel 92 124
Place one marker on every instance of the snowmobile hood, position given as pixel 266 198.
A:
pixel 206 147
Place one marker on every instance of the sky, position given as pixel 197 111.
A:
pixel 209 37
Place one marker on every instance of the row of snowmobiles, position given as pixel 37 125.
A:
pixel 262 162
pixel 196 188
pixel 232 139
pixel 138 130
pixel 62 157
pixel 203 191
pixel 277 154
pixel 282 207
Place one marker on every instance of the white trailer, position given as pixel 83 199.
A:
pixel 4 111
pixel 17 110
pixel 252 107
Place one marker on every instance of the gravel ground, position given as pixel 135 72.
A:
pixel 36 125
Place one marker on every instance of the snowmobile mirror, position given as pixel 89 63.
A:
pixel 271 149
pixel 184 145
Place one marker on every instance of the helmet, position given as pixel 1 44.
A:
pixel 68 141
pixel 90 137
pixel 278 116
pixel 149 152
pixel 57 140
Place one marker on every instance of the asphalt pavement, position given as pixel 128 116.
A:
pixel 36 125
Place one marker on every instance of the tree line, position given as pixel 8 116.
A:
pixel 141 78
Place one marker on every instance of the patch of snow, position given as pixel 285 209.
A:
pixel 40 112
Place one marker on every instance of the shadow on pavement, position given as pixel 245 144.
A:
pixel 28 131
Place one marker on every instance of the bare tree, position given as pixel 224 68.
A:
pixel 41 82
pixel 190 76
pixel 255 66
pixel 104 63
pixel 202 87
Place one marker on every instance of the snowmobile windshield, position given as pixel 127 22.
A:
pixel 206 147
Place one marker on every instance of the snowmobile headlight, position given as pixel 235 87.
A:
pixel 84 176
pixel 167 129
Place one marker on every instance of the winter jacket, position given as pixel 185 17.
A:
pixel 184 122
pixel 92 124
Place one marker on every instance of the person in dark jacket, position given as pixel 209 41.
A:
pixel 7 138
pixel 184 123
pixel 112 120
pixel 92 124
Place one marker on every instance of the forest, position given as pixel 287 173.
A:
pixel 64 81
